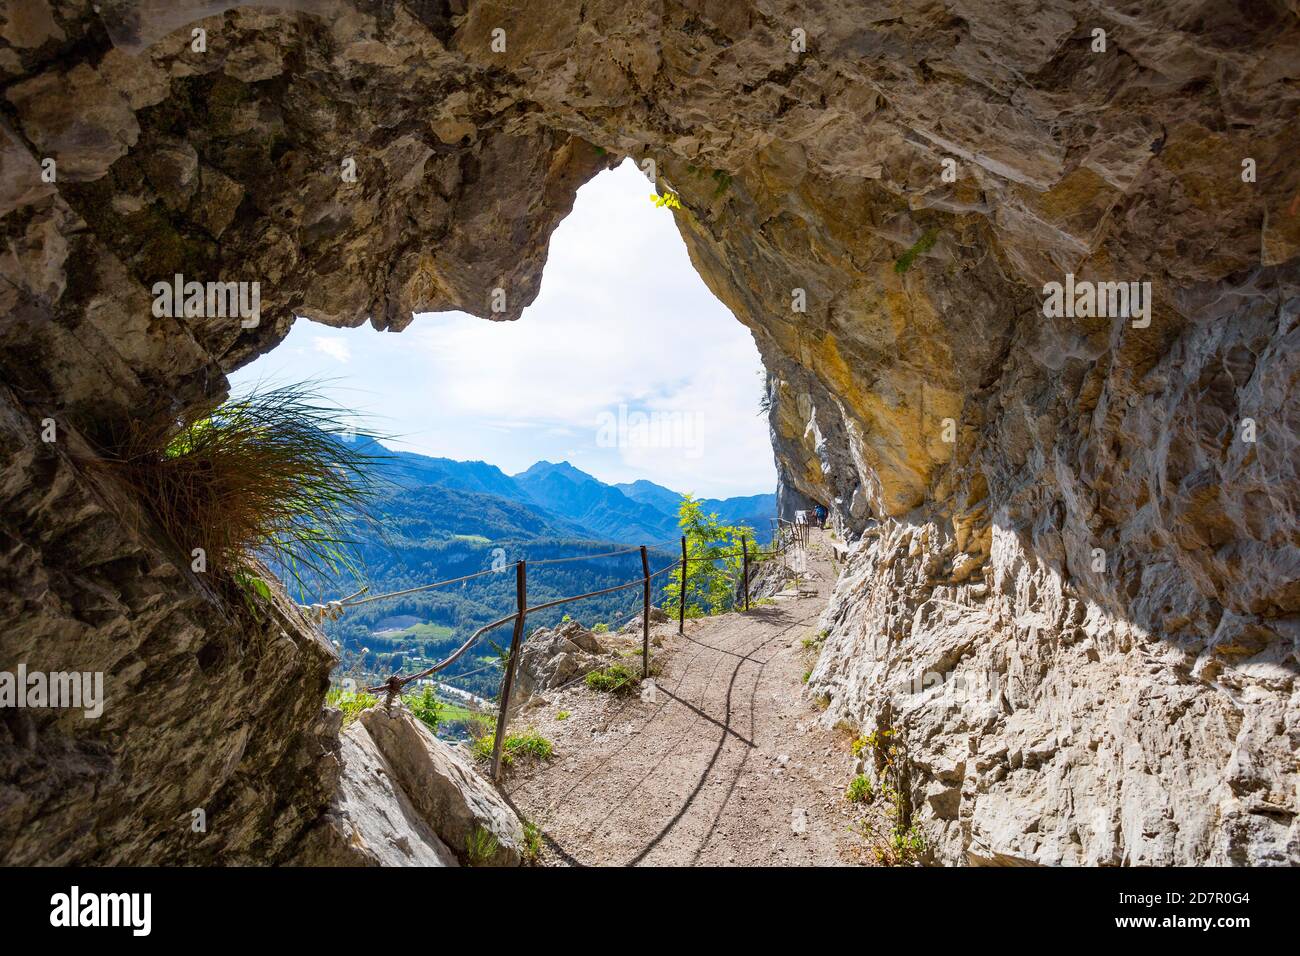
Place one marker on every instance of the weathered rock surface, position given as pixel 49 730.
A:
pixel 212 745
pixel 406 798
pixel 371 821
pixel 981 453
pixel 634 626
pixel 1037 727
pixel 552 657
pixel 448 793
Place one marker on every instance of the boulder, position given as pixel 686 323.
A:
pixel 371 822
pixel 552 657
pixel 580 636
pixel 657 616
pixel 406 798
pixel 448 794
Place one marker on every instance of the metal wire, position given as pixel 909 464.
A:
pixel 579 597
pixel 395 683
pixel 354 601
pixel 581 557
pixel 428 587
pixel 676 564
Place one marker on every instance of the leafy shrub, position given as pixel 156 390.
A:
pixel 898 846
pixel 713 562
pixel 816 640
pixel 614 679
pixel 562 715
pixel 878 740
pixel 859 790
pixel 903 844
pixel 528 745
pixel 601 628
pixel 906 846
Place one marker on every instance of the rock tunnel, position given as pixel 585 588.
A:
pixel 1094 508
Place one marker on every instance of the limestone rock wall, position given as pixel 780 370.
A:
pixel 979 453
pixel 206 708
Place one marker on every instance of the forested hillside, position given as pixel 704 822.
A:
pixel 434 519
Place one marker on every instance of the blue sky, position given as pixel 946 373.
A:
pixel 625 365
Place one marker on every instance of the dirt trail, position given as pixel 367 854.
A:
pixel 725 765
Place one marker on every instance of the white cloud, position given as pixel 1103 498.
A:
pixel 622 319
pixel 336 348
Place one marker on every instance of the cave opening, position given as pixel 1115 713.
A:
pixel 625 365
pixel 576 429
pixel 1065 576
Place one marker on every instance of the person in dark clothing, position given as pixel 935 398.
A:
pixel 822 514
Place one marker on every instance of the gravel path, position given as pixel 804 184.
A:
pixel 723 763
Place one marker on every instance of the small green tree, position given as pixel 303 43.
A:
pixel 713 561
pixel 425 706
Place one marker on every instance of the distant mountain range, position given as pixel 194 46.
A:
pixel 754 510
pixel 568 501
pixel 564 490
pixel 434 519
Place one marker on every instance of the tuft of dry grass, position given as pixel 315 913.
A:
pixel 270 475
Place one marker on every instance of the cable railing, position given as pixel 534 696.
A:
pixel 392 688
pixel 584 557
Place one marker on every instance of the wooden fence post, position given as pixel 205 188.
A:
pixel 744 550
pixel 512 665
pixel 681 610
pixel 645 616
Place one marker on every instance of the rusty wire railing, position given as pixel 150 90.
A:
pixel 393 686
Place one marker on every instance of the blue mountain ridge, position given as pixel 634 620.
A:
pixel 571 501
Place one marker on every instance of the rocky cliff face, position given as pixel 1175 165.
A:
pixel 1093 513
